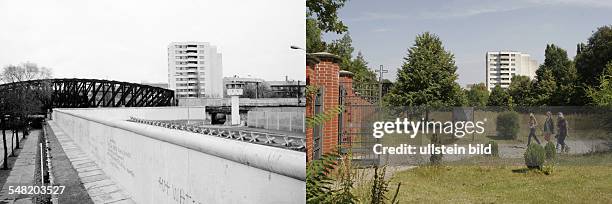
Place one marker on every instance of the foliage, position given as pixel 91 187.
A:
pixel 557 78
pixel 507 125
pixel 551 151
pixel 358 66
pixel 494 148
pixel 436 159
pixel 321 118
pixel 602 95
pixel 593 57
pixel 318 179
pixel 521 91
pixel 534 156
pixel 326 14
pixel 427 77
pixel 314 43
pixel 478 95
pixel 500 97
pixel 380 186
pixel 22 99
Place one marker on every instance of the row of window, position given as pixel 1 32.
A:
pixel 188 46
pixel 189 62
pixel 189 51
pixel 189 73
pixel 189 68
pixel 189 57
pixel 189 79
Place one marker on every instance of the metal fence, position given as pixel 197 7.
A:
pixel 284 121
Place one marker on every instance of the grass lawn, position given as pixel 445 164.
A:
pixel 576 179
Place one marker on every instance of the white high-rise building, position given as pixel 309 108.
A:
pixel 503 65
pixel 195 70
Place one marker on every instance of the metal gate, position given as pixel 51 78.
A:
pixel 361 109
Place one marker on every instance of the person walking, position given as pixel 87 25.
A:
pixel 549 126
pixel 562 125
pixel 533 123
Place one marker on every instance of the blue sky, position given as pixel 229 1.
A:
pixel 384 30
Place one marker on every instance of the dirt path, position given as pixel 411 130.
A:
pixel 576 147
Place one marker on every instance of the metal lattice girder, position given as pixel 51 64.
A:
pixel 85 93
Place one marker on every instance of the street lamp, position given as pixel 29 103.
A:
pixel 296 48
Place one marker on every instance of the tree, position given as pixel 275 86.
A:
pixel 313 37
pixel 478 95
pixel 358 66
pixel 592 57
pixel 427 77
pixel 326 14
pixel 521 91
pixel 545 87
pixel 499 97
pixel 563 73
pixel 20 100
pixel 602 94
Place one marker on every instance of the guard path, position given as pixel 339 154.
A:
pixel 101 188
pixel 22 173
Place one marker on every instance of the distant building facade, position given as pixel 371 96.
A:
pixel 287 88
pixel 501 66
pixel 195 70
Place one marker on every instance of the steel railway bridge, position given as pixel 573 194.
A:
pixel 86 93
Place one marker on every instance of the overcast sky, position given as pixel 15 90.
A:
pixel 127 40
pixel 384 30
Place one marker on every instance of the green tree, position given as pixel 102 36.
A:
pixel 326 14
pixel 427 76
pixel 545 87
pixel 314 43
pixel 363 75
pixel 478 95
pixel 592 57
pixel 521 91
pixel 602 94
pixel 500 97
pixel 322 16
pixel 563 74
pixel 358 66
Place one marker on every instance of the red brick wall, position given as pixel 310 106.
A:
pixel 324 75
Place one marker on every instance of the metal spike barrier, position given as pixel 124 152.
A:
pixel 262 138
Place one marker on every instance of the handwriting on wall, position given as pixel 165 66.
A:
pixel 118 156
pixel 178 194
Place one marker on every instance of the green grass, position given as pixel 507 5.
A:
pixel 576 179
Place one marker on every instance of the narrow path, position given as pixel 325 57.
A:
pixel 85 182
pixel 22 173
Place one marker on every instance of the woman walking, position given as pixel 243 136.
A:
pixel 562 125
pixel 549 127
pixel 533 123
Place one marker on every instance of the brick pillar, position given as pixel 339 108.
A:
pixel 325 75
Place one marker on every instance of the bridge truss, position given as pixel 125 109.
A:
pixel 85 93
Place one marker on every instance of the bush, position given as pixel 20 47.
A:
pixel 494 148
pixel 507 125
pixel 551 151
pixel 534 156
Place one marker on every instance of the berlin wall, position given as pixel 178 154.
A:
pixel 160 165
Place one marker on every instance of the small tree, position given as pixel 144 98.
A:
pixel 500 97
pixel 478 95
pixel 507 125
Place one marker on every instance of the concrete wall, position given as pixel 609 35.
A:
pixel 160 165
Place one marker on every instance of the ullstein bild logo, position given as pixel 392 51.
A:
pixel 412 128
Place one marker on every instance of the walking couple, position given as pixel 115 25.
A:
pixel 549 130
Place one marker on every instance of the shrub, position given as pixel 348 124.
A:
pixel 534 156
pixel 507 125
pixel 551 151
pixel 494 148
